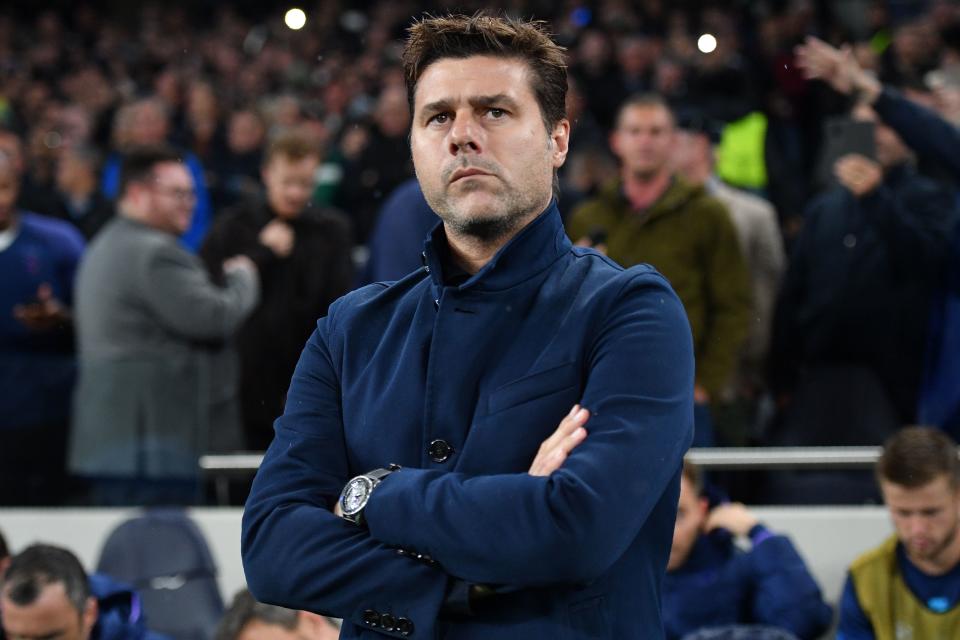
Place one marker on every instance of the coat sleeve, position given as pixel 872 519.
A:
pixel 570 527
pixel 728 295
pixel 785 594
pixel 183 297
pixel 299 555
pixel 923 130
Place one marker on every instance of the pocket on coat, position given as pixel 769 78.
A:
pixel 534 386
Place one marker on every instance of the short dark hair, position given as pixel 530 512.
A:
pixel 245 609
pixel 459 36
pixel 40 565
pixel 916 456
pixel 4 550
pixel 646 100
pixel 139 164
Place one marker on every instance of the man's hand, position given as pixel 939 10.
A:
pixel 836 67
pixel 337 511
pixel 701 395
pixel 554 450
pixel 45 313
pixel 237 263
pixel 859 174
pixel 278 236
pixel 733 517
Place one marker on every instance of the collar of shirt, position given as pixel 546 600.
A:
pixel 530 251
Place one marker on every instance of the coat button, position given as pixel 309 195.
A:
pixel 404 626
pixel 388 622
pixel 440 450
pixel 371 618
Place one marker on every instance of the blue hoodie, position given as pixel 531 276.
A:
pixel 121 614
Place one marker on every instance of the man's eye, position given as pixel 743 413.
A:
pixel 440 118
pixel 497 113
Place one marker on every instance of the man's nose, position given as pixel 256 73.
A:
pixel 465 134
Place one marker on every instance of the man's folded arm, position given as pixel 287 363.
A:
pixel 298 554
pixel 571 526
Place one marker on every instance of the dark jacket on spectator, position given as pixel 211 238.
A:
pixel 860 281
pixel 295 293
pixel 721 585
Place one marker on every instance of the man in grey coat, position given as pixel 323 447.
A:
pixel 158 379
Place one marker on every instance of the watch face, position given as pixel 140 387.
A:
pixel 355 495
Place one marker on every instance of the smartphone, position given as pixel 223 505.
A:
pixel 843 136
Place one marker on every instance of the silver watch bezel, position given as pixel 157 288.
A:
pixel 368 486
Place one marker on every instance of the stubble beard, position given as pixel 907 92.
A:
pixel 509 210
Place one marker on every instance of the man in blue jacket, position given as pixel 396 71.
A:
pixel 47 594
pixel 475 515
pixel 711 583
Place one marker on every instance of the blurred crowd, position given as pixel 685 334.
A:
pixel 824 294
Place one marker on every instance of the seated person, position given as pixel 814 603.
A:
pixel 710 582
pixel 909 586
pixel 47 594
pixel 247 619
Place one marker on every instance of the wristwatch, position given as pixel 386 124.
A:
pixel 356 493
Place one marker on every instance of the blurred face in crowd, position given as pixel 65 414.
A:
pixel 290 183
pixel 692 156
pixel 168 199
pixel 74 173
pixel 309 627
pixel 244 132
pixel 483 157
pixel 393 112
pixel 691 515
pixel 643 140
pixel 891 150
pixel 149 125
pixel 9 189
pixel 927 519
pixel 50 615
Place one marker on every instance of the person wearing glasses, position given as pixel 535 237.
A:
pixel 157 380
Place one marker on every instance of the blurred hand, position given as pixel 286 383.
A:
pixel 278 236
pixel 554 450
pixel 859 174
pixel 700 395
pixel 45 313
pixel 836 67
pixel 734 517
pixel 239 263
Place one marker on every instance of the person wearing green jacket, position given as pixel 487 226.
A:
pixel 649 214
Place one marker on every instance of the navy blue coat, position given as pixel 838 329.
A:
pixel 720 585
pixel 491 367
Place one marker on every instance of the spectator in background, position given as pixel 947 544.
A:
pixel 38 261
pixel 47 594
pixel 4 559
pixel 909 587
pixel 935 139
pixel 376 162
pixel 303 255
pixel 650 214
pixel 79 200
pixel 239 168
pixel 757 230
pixel 858 289
pixel 146 123
pixel 711 582
pixel 157 383
pixel 247 619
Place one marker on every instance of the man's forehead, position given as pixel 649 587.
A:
pixel 934 492
pixel 168 172
pixel 460 79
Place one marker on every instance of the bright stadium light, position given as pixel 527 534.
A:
pixel 295 19
pixel 706 43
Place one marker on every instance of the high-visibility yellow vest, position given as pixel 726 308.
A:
pixel 741 158
pixel 893 610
